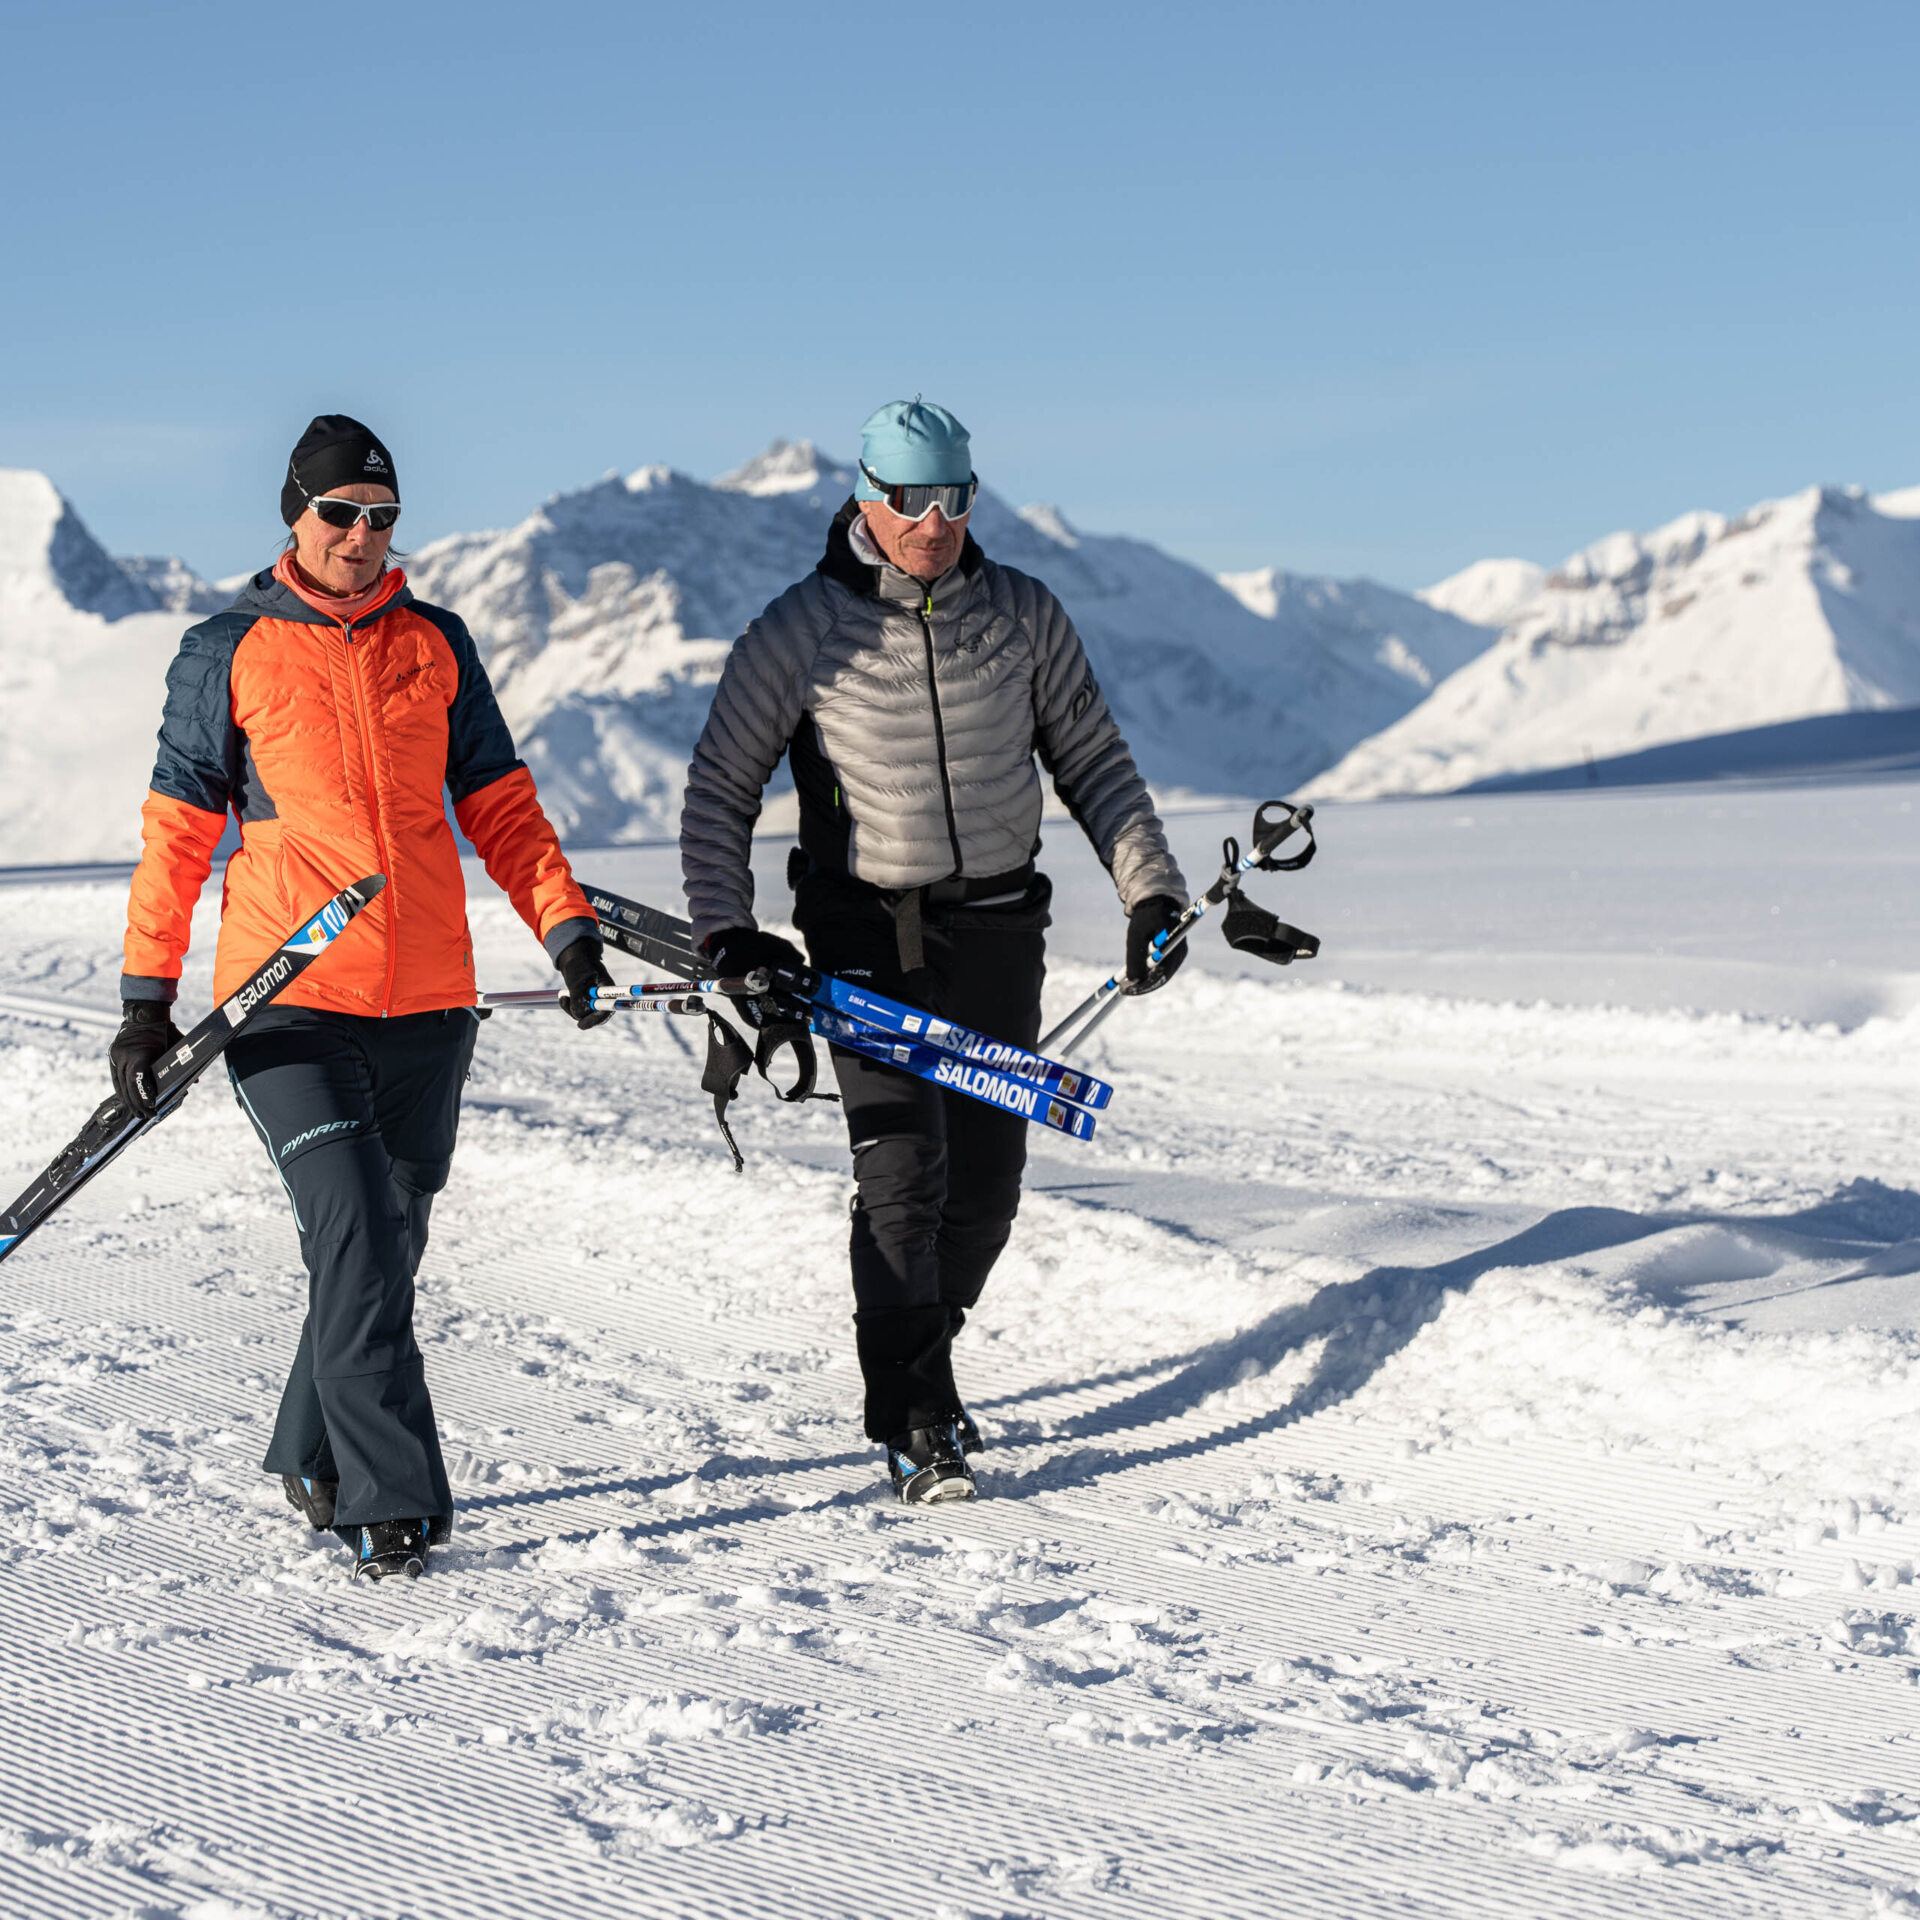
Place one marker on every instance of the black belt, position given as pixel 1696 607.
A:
pixel 909 905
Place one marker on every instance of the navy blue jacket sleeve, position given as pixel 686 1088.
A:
pixel 199 757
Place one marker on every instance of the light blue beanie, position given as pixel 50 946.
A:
pixel 911 443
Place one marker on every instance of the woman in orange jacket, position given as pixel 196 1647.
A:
pixel 331 712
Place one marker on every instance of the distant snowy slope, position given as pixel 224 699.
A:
pixel 1490 593
pixel 49 559
pixel 1802 606
pixel 84 648
pixel 1373 627
pixel 606 616
pixel 174 585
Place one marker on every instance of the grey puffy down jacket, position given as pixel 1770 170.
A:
pixel 913 715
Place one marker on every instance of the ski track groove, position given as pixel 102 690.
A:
pixel 1220 1645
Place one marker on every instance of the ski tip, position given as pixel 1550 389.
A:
pixel 370 888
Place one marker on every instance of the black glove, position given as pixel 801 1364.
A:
pixel 1151 917
pixel 146 1032
pixel 740 950
pixel 581 968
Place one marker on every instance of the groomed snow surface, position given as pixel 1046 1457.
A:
pixel 1453 1448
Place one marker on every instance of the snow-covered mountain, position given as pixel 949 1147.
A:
pixel 607 613
pixel 84 646
pixel 1490 593
pixel 1803 606
pixel 606 616
pixel 174 585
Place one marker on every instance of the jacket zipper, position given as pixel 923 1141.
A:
pixel 373 814
pixel 939 732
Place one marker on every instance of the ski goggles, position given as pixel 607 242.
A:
pixel 954 499
pixel 348 513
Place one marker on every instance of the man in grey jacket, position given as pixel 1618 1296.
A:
pixel 911 681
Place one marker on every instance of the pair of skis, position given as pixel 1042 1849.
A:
pixel 114 1126
pixel 996 1072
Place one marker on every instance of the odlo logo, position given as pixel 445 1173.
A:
pixel 374 460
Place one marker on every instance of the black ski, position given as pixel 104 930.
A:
pixel 114 1126
pixel 648 934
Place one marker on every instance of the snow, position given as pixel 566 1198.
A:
pixel 1800 607
pixel 1454 1437
pixel 83 659
pixel 175 586
pixel 606 614
pixel 1490 593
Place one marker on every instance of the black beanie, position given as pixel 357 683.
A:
pixel 335 451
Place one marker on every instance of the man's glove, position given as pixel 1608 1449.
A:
pixel 582 969
pixel 146 1032
pixel 740 950
pixel 1152 917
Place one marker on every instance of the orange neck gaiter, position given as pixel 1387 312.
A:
pixel 337 606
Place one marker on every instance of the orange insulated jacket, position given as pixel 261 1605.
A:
pixel 334 743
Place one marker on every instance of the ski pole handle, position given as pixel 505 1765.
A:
pixel 1269 834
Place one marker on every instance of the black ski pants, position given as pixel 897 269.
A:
pixel 358 1116
pixel 938 1174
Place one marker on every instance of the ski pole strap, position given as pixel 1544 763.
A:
pixel 1252 929
pixel 728 1057
pixel 806 1061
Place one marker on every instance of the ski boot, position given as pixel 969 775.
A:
pixel 928 1464
pixel 313 1498
pixel 390 1547
pixel 969 1434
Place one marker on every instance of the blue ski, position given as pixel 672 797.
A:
pixel 949 1070
pixel 911 1038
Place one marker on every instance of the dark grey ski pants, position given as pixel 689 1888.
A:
pixel 938 1173
pixel 359 1117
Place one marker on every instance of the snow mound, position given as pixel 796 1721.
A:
pixel 1799 607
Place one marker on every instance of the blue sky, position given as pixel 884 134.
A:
pixel 1357 289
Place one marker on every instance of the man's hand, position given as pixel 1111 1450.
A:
pixel 741 950
pixel 146 1032
pixel 582 969
pixel 1152 917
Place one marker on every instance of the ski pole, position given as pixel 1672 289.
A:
pixel 1268 834
pixel 620 999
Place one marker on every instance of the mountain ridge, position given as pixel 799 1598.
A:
pixel 1710 624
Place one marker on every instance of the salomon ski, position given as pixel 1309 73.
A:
pixel 956 1074
pixel 114 1126
pixel 665 941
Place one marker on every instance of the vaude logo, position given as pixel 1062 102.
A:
pixel 263 986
